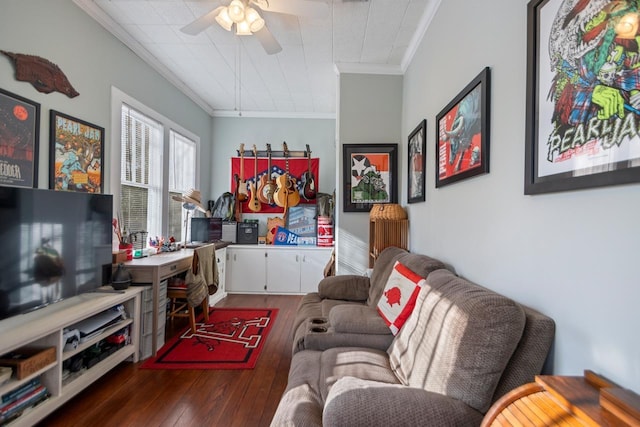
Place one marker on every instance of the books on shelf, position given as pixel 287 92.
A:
pixel 27 395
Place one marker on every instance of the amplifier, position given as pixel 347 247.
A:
pixel 229 231
pixel 247 233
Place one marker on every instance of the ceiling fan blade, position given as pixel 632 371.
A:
pixel 268 42
pixel 308 8
pixel 201 23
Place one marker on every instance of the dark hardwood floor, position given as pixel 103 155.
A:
pixel 128 396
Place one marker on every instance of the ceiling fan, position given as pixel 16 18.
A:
pixel 248 20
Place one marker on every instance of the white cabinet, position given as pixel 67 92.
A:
pixel 246 269
pixel 283 271
pixel 44 328
pixel 312 266
pixel 275 269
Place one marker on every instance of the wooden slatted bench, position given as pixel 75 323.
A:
pixel 590 400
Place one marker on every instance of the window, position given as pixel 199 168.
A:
pixel 157 161
pixel 182 158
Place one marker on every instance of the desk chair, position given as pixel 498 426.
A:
pixel 178 304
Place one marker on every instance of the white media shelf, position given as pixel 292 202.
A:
pixel 43 328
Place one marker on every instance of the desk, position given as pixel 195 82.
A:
pixel 153 270
pixel 156 268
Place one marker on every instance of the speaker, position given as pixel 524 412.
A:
pixel 247 233
pixel 229 231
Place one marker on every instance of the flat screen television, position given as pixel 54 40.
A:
pixel 56 244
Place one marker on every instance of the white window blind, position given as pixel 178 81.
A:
pixel 141 175
pixel 158 159
pixel 182 159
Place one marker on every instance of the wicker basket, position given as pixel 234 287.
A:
pixel 387 211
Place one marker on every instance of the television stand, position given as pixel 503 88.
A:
pixel 45 328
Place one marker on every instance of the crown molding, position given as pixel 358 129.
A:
pixel 273 115
pixel 93 10
pixel 423 25
pixel 353 68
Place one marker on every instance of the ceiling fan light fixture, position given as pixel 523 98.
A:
pixel 254 19
pixel 236 11
pixel 243 29
pixel 224 20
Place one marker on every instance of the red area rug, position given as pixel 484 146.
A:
pixel 232 339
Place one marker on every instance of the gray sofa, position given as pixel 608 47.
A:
pixel 462 348
pixel 343 311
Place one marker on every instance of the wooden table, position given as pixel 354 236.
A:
pixel 554 400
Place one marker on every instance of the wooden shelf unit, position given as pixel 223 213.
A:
pixel 45 328
pixel 384 233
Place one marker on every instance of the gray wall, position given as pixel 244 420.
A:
pixel 369 112
pixel 572 255
pixel 93 60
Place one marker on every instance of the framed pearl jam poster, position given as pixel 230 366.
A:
pixel 370 175
pixel 19 140
pixel 583 94
pixel 76 153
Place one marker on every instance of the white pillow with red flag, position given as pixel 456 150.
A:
pixel 399 296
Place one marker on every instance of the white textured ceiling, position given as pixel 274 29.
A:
pixel 230 75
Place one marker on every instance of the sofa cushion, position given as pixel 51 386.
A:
pixel 458 340
pixel 313 373
pixel 399 296
pixel 530 355
pixel 356 402
pixel 347 287
pixel 357 319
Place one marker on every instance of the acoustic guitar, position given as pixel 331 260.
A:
pixel 242 192
pixel 254 203
pixel 286 194
pixel 267 184
pixel 308 180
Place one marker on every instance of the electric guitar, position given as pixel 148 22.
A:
pixel 243 195
pixel 267 184
pixel 308 180
pixel 254 203
pixel 237 214
pixel 286 194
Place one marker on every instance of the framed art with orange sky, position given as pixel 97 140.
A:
pixel 76 154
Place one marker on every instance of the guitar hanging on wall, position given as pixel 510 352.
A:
pixel 308 180
pixel 243 195
pixel 254 203
pixel 286 194
pixel 267 183
pixel 237 214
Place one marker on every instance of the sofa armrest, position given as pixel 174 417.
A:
pixel 348 287
pixel 355 402
pixel 357 319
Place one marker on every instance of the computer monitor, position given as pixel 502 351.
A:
pixel 206 229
